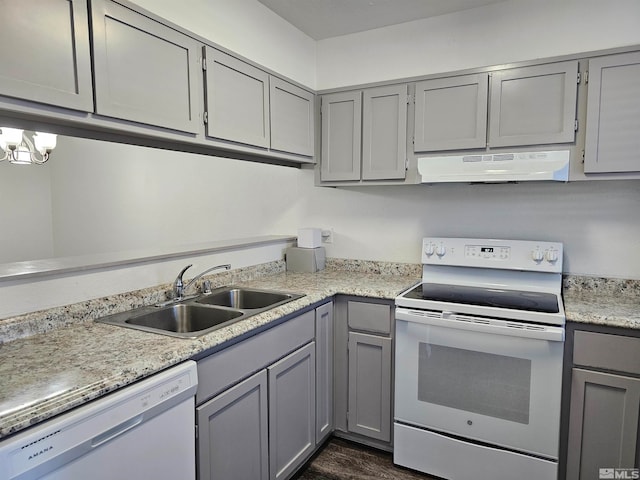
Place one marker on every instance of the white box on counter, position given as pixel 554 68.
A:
pixel 309 237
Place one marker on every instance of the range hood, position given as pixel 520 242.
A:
pixel 496 167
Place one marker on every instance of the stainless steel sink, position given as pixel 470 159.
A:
pixel 245 298
pixel 197 316
pixel 185 318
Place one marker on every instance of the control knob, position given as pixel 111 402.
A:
pixel 441 250
pixel 537 255
pixel 551 256
pixel 429 249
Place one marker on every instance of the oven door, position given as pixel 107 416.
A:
pixel 494 381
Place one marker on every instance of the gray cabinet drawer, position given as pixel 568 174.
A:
pixel 371 317
pixel 611 352
pixel 225 368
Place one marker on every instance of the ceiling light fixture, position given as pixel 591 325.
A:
pixel 20 150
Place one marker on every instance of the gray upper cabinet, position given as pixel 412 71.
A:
pixel 612 140
pixel 533 105
pixel 384 133
pixel 145 72
pixel 341 136
pixel 44 47
pixel 364 134
pixel 237 100
pixel 451 113
pixel 292 125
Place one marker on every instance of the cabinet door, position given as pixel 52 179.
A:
pixel 451 113
pixel 144 71
pixel 612 140
pixel 370 386
pixel 237 100
pixel 232 433
pixel 384 133
pixel 44 46
pixel 603 424
pixel 292 126
pixel 324 371
pixel 533 105
pixel 292 406
pixel 341 136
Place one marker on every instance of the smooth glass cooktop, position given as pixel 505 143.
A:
pixel 486 297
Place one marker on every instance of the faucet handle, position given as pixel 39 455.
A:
pixel 178 284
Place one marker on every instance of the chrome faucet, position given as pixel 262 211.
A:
pixel 178 285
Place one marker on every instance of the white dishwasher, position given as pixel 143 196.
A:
pixel 146 430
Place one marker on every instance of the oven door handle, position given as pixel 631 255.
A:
pixel 491 326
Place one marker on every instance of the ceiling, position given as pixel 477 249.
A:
pixel 330 18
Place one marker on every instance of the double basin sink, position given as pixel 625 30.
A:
pixel 196 316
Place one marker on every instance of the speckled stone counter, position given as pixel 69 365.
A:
pixel 53 361
pixel 55 370
pixel 602 301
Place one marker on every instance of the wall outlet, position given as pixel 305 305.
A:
pixel 327 236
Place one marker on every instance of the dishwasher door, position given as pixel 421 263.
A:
pixel 146 430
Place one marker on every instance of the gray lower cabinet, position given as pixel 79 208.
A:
pixel 364 134
pixel 233 433
pixel 292 415
pixel 370 386
pixel 145 71
pixel 613 101
pixel 44 47
pixel 257 400
pixel 604 406
pixel 363 370
pixel 324 371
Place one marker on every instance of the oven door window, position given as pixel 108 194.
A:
pixel 498 386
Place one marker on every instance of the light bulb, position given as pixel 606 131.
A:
pixel 12 136
pixel 21 156
pixel 45 141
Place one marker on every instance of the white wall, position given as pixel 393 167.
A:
pixel 248 28
pixel 225 199
pixel 110 197
pixel 504 32
pixel 25 212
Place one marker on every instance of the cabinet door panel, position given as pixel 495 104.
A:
pixel 44 46
pixel 291 111
pixel 612 141
pixel 232 439
pixel 144 71
pixel 324 371
pixel 384 133
pixel 237 100
pixel 603 428
pixel 341 136
pixel 292 403
pixel 370 386
pixel 533 105
pixel 451 113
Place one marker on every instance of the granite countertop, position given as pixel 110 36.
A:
pixel 602 301
pixel 65 365
pixel 48 373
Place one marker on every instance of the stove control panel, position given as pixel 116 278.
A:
pixel 491 253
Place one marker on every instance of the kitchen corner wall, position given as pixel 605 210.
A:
pixel 172 198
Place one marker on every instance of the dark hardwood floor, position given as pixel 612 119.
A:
pixel 343 460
